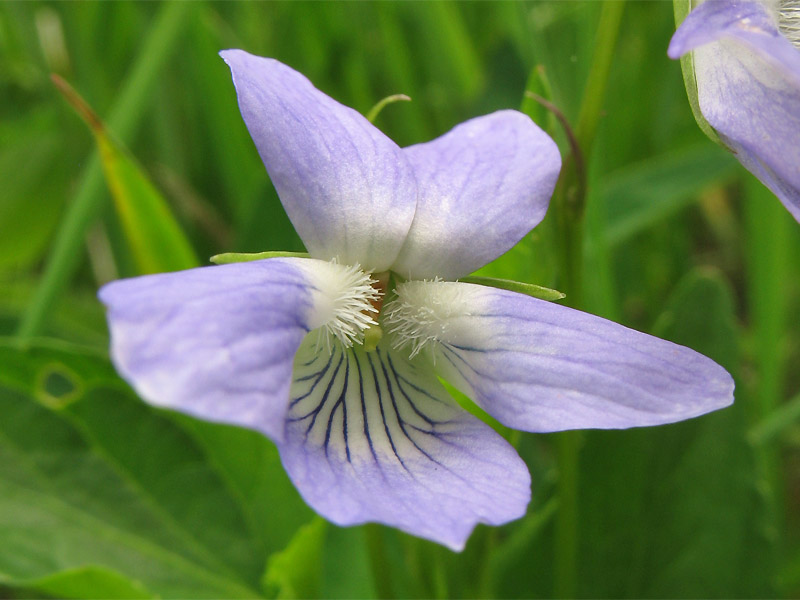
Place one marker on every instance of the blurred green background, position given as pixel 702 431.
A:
pixel 102 496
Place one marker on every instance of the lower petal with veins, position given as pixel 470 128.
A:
pixel 371 436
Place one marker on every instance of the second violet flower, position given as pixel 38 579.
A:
pixel 336 358
pixel 745 57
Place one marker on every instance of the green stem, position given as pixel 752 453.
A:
pixel 570 203
pixel 67 252
pixel 379 561
pixel 566 549
pixel 595 90
pixel 767 226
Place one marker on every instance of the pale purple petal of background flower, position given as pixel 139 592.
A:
pixel 539 366
pixel 346 187
pixel 373 437
pixel 217 343
pixel 748 79
pixel 482 187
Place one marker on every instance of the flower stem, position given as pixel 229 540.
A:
pixel 570 204
pixel 378 560
pixel 566 549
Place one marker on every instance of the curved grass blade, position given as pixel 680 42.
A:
pixel 66 254
pixel 156 239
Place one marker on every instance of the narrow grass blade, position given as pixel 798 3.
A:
pixel 153 234
pixel 66 254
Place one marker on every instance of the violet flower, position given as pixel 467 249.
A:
pixel 336 358
pixel 746 57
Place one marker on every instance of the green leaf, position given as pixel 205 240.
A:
pixel 156 239
pixel 270 504
pixel 676 511
pixel 642 194
pixel 32 172
pixel 235 257
pixel 90 477
pixel 346 564
pixel 89 582
pixel 296 571
pixel 529 289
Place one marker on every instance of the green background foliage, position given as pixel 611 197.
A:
pixel 104 496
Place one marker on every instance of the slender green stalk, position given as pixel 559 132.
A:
pixel 769 262
pixel 777 423
pixel 566 550
pixel 769 265
pixel 379 561
pixel 67 253
pixel 570 200
pixel 595 90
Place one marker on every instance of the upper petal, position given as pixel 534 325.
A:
pixel 373 437
pixel 482 187
pixel 219 342
pixel 539 366
pixel 748 83
pixel 346 187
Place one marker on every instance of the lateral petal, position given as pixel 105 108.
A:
pixel 539 366
pixel 748 83
pixel 372 437
pixel 482 187
pixel 346 187
pixel 219 342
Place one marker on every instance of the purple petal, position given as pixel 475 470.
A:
pixel 539 366
pixel 346 187
pixel 215 342
pixel 748 80
pixel 483 186
pixel 372 437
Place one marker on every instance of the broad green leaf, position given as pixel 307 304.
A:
pixel 346 564
pixel 88 582
pixel 251 467
pixel 92 477
pixel 676 511
pixel 296 571
pixel 32 172
pixel 155 238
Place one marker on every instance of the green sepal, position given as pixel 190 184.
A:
pixel 529 289
pixel 237 257
pixel 682 9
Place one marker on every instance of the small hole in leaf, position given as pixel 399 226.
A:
pixel 58 384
